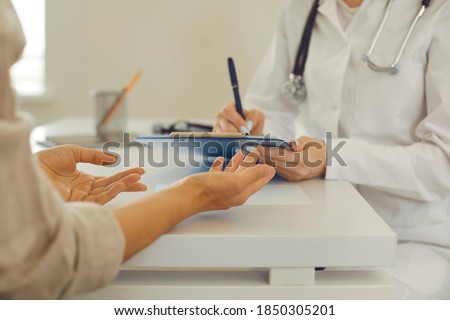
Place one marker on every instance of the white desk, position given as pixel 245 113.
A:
pixel 257 251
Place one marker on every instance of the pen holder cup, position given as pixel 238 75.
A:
pixel 103 102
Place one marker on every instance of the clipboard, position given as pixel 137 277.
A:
pixel 87 140
pixel 212 144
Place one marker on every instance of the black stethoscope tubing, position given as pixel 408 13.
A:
pixel 303 49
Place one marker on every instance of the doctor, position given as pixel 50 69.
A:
pixel 387 96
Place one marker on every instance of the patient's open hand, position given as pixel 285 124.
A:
pixel 223 189
pixel 60 165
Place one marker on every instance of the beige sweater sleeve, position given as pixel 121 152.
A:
pixel 48 248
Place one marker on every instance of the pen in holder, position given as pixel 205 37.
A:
pixel 109 121
pixel 117 122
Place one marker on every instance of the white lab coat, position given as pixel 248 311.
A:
pixel 397 127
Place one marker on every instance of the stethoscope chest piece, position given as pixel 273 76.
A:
pixel 295 88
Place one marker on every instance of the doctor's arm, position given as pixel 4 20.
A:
pixel 420 171
pixel 306 160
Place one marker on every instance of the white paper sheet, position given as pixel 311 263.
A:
pixel 279 194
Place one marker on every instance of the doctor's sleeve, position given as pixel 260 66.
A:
pixel 264 92
pixel 420 171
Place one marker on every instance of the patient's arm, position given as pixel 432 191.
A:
pixel 143 221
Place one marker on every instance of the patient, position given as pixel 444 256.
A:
pixel 55 238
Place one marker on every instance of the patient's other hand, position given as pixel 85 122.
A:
pixel 60 166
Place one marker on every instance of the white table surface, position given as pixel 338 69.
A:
pixel 337 229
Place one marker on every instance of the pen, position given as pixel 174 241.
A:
pixel 237 96
pixel 115 106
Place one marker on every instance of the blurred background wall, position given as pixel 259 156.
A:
pixel 181 45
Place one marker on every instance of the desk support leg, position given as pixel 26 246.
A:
pixel 291 276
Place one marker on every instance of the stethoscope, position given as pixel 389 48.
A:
pixel 295 86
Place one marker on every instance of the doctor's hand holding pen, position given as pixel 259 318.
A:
pixel 229 120
pixel 306 160
pixel 233 118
